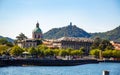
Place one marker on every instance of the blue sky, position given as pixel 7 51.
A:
pixel 18 16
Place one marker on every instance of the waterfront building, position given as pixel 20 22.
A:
pixel 115 44
pixel 70 42
pixel 34 41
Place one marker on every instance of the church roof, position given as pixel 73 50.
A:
pixel 37 29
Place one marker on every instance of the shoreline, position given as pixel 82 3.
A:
pixel 39 62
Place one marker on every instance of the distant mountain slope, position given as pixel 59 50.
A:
pixel 68 31
pixel 9 39
pixel 110 35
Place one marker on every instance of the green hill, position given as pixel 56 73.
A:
pixel 110 35
pixel 68 31
pixel 74 31
pixel 9 39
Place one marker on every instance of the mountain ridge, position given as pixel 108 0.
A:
pixel 110 35
pixel 74 31
pixel 8 38
pixel 68 31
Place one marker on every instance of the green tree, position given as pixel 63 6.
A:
pixel 56 52
pixel 116 53
pixel 49 52
pixel 33 51
pixel 69 50
pixel 105 45
pixel 3 49
pixel 16 51
pixel 76 53
pixel 63 53
pixel 107 53
pixel 40 52
pixel 95 52
pixel 42 47
pixel 96 43
pixel 21 36
pixel 4 41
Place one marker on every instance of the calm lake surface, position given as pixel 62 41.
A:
pixel 87 69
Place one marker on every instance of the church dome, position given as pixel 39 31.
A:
pixel 37 29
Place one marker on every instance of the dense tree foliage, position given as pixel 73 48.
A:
pixel 76 53
pixel 63 53
pixel 102 44
pixel 21 36
pixel 32 51
pixel 95 52
pixel 96 43
pixel 3 49
pixel 16 51
pixel 116 54
pixel 49 52
pixel 4 41
pixel 107 53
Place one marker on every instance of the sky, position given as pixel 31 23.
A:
pixel 21 16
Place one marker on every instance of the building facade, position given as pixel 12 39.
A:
pixel 115 44
pixel 34 41
pixel 70 42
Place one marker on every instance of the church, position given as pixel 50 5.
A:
pixel 34 41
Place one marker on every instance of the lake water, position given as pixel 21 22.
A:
pixel 87 69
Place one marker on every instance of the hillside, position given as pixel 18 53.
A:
pixel 110 35
pixel 68 31
pixel 9 39
pixel 74 31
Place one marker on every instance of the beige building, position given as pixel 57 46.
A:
pixel 115 44
pixel 70 42
pixel 34 41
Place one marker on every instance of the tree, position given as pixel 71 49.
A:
pixel 63 53
pixel 56 52
pixel 3 49
pixel 107 53
pixel 40 52
pixel 21 36
pixel 9 44
pixel 96 43
pixel 83 51
pixel 4 41
pixel 76 53
pixel 49 52
pixel 16 51
pixel 42 47
pixel 116 53
pixel 33 51
pixel 69 50
pixel 95 52
pixel 105 45
pixel 102 44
